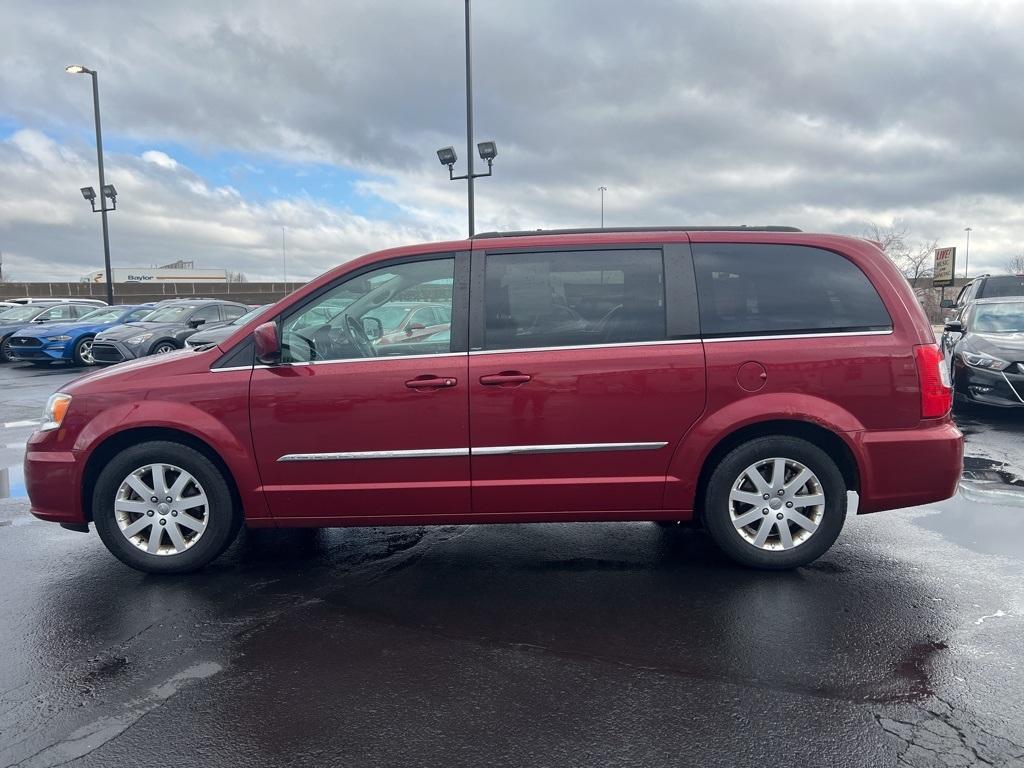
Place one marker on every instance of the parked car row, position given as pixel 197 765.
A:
pixel 88 332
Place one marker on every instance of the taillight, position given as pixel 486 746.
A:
pixel 933 378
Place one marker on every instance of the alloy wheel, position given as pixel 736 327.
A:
pixel 776 504
pixel 85 352
pixel 161 509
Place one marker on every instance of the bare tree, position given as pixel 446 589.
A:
pixel 1015 264
pixel 236 277
pixel 915 261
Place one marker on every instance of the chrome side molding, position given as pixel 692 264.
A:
pixel 490 450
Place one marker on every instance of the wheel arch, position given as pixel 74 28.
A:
pixel 817 435
pixel 119 441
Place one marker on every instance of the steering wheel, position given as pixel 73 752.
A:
pixel 357 337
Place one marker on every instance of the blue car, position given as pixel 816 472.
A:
pixel 71 342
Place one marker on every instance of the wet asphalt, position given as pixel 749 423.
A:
pixel 533 645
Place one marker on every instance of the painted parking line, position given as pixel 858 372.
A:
pixel 22 423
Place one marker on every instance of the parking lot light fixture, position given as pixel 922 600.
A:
pixel 447 156
pixel 107 190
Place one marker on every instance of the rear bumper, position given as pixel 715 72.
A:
pixel 909 467
pixel 49 476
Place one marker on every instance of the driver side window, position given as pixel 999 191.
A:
pixel 365 316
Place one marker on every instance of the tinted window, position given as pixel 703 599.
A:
pixel 170 314
pixel 755 289
pixel 61 312
pixel 573 298
pixel 1006 285
pixel 357 318
pixel 231 312
pixel 209 314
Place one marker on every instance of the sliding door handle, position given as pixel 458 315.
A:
pixel 431 382
pixel 505 378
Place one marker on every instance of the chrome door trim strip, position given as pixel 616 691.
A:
pixel 506 450
pixel 780 336
pixel 420 453
pixel 361 360
pixel 582 346
pixel 490 450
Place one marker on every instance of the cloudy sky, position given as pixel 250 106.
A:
pixel 224 122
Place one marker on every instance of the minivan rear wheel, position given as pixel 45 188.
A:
pixel 775 502
pixel 163 507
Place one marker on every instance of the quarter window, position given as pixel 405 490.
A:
pixel 760 289
pixel 366 316
pixel 572 298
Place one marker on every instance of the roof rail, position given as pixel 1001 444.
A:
pixel 597 230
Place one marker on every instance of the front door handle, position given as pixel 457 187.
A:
pixel 431 382
pixel 505 377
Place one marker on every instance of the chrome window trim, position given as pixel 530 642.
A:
pixel 777 337
pixel 583 346
pixel 490 450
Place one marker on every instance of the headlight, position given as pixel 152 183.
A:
pixel 58 338
pixel 136 340
pixel 987 362
pixel 56 409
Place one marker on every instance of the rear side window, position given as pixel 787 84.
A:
pixel 1004 285
pixel 571 298
pixel 231 312
pixel 760 289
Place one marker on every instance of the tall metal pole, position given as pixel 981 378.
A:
pixel 284 259
pixel 103 202
pixel 469 121
pixel 967 251
pixel 602 190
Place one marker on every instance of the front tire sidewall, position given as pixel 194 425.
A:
pixel 223 522
pixel 716 503
pixel 163 348
pixel 79 359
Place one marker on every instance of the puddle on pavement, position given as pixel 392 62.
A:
pixel 12 483
pixel 987 513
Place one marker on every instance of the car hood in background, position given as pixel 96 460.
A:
pixel 1007 346
pixel 127 330
pixel 39 330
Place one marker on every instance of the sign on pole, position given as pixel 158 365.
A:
pixel 945 267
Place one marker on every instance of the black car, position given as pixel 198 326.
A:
pixel 24 315
pixel 217 333
pixel 984 345
pixel 165 330
pixel 987 287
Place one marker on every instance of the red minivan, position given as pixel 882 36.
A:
pixel 757 380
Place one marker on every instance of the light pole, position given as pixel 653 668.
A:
pixel 106 191
pixel 602 190
pixel 967 250
pixel 488 149
pixel 284 260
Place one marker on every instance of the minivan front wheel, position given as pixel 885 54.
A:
pixel 163 507
pixel 775 502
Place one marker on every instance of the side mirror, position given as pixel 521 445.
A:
pixel 954 326
pixel 268 346
pixel 946 304
pixel 196 323
pixel 373 328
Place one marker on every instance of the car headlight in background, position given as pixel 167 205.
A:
pixel 134 341
pixel 986 362
pixel 56 409
pixel 58 338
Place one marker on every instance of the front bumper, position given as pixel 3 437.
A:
pixel 48 476
pixel 998 388
pixel 50 352
pixel 909 467
pixel 106 352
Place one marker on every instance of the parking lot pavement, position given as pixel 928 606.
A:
pixel 560 644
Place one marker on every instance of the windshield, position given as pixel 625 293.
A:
pixel 17 314
pixel 999 318
pixel 105 315
pixel 170 314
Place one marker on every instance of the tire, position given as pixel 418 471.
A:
pixel 5 351
pixel 120 511
pixel 163 347
pixel 799 544
pixel 83 352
